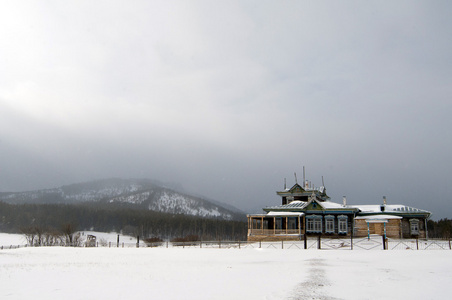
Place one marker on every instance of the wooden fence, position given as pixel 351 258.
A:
pixel 372 243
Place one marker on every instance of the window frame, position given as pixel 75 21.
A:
pixel 314 224
pixel 342 224
pixel 329 224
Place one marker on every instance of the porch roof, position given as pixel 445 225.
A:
pixel 378 218
pixel 284 214
pixel 278 214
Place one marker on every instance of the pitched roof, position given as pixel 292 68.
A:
pixel 298 190
pixel 393 208
pixel 293 204
pixel 301 205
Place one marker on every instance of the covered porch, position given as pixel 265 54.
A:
pixel 276 226
pixel 383 225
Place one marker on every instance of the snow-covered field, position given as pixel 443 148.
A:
pixel 194 273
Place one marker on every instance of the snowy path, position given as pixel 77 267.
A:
pixel 312 288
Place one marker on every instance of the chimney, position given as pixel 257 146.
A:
pixel 344 201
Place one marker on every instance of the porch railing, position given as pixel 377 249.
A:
pixel 272 231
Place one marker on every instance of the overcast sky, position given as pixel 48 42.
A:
pixel 228 98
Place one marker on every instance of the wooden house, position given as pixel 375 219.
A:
pixel 308 211
pixel 395 221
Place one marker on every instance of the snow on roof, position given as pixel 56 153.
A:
pixel 284 213
pixel 387 208
pixel 378 218
pixel 330 205
pixel 293 204
pixel 302 204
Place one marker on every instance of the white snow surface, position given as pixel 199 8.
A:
pixel 133 199
pixel 195 273
pixel 392 207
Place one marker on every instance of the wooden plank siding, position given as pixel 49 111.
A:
pixel 392 228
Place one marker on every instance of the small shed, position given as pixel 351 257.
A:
pixel 90 241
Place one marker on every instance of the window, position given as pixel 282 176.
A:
pixel 342 224
pixel 314 224
pixel 329 224
pixel 278 224
pixel 292 223
pixel 414 226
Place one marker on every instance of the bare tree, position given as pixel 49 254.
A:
pixel 29 235
pixel 35 235
pixel 39 232
pixel 68 231
pixel 53 238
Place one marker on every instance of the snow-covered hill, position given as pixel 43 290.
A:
pixel 138 193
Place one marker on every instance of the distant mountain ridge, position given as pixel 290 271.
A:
pixel 143 194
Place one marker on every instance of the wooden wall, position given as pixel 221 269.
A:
pixel 392 228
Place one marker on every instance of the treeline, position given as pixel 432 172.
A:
pixel 107 218
pixel 441 229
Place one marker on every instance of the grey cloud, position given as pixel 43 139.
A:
pixel 230 98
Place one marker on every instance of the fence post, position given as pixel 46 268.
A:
pixel 260 243
pixel 219 244
pixel 319 242
pixel 117 243
pixel 417 244
pixel 282 244
pixel 384 242
pixel 351 241
pixel 305 241
pixel 200 244
pixel 239 244
pixel 138 241
pixel 449 245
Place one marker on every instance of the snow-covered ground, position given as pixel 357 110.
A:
pixel 103 239
pixel 207 273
